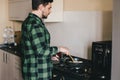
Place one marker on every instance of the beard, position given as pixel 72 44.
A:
pixel 44 17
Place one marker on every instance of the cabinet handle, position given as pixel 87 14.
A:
pixel 54 75
pixel 6 58
pixel 3 57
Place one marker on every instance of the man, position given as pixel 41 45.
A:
pixel 35 43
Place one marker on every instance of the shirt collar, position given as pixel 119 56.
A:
pixel 38 18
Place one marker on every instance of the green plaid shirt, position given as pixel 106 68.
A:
pixel 36 50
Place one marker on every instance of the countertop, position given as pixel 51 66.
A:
pixel 11 49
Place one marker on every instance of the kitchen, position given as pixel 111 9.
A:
pixel 99 28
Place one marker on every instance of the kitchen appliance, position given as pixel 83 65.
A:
pixel 101 60
pixel 17 37
pixel 65 70
pixel 8 35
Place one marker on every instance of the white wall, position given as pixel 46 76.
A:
pixel 80 29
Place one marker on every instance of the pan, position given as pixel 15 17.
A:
pixel 74 62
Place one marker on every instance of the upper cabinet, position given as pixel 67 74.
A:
pixel 19 9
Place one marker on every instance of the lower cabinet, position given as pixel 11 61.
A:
pixel 10 66
pixel 1 64
pixel 17 68
pixel 5 68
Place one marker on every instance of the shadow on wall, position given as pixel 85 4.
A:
pixel 106 30
pixel 107 25
pixel 89 55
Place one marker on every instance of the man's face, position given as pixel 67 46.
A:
pixel 46 11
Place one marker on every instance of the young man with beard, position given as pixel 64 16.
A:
pixel 35 43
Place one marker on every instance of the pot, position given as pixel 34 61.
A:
pixel 75 62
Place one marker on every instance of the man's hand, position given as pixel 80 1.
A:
pixel 64 50
pixel 55 58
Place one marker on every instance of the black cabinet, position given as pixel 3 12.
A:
pixel 101 59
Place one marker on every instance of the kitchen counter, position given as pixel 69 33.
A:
pixel 11 49
pixel 10 62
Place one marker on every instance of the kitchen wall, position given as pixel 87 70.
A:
pixel 80 29
pixel 84 21
pixel 3 17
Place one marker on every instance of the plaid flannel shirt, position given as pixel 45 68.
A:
pixel 36 50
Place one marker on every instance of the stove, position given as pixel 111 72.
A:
pixel 65 71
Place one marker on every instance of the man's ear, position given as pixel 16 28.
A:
pixel 41 7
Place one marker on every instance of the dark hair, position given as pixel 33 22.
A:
pixel 36 3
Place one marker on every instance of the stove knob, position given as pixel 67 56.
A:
pixel 54 75
pixel 85 70
pixel 102 77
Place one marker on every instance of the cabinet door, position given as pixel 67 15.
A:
pixel 19 9
pixel 1 61
pixel 9 66
pixel 17 68
pixel 4 70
